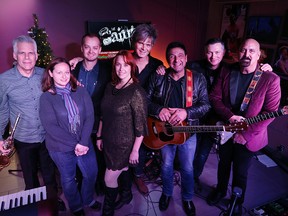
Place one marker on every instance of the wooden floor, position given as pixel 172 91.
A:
pixel 264 185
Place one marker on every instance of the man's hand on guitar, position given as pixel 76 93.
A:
pixel 238 138
pixel 236 118
pixel 164 115
pixel 285 110
pixel 177 115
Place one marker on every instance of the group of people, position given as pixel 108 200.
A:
pixel 93 116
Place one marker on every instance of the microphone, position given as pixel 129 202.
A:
pixel 237 192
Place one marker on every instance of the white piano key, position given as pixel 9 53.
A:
pixel 2 202
pixel 22 198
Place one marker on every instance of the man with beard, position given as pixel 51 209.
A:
pixel 232 102
pixel 210 67
pixel 94 74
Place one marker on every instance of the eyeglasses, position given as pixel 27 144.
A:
pixel 147 45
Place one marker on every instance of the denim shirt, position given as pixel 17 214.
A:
pixel 19 94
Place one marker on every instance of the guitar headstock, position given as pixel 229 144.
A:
pixel 237 126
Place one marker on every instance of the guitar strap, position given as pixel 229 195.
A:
pixel 189 88
pixel 250 90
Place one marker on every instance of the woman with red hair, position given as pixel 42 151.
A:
pixel 123 126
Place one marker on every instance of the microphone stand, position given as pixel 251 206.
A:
pixel 237 192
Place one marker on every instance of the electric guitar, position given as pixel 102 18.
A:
pixel 226 135
pixel 163 133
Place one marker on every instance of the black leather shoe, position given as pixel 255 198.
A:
pixel 125 198
pixel 164 202
pixel 215 197
pixel 96 206
pixel 189 208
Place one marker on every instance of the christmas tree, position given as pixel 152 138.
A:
pixel 45 53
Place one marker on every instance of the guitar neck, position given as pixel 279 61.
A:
pixel 264 116
pixel 198 129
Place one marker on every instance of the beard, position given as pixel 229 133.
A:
pixel 245 62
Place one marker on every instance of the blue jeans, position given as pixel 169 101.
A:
pixel 66 163
pixel 185 153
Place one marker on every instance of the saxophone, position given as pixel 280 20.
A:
pixel 9 144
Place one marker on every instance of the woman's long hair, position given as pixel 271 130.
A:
pixel 48 81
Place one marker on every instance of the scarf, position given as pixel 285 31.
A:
pixel 71 107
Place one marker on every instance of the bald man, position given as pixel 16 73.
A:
pixel 227 99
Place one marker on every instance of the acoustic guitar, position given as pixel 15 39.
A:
pixel 163 133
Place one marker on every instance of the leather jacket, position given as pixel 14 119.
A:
pixel 159 91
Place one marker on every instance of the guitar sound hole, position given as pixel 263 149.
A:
pixel 166 137
pixel 169 130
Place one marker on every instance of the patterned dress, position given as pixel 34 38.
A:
pixel 124 116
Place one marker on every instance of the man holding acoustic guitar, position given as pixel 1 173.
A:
pixel 243 91
pixel 178 96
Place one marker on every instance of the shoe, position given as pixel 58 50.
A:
pixel 61 205
pixel 125 198
pixel 141 186
pixel 164 202
pixel 189 208
pixel 215 197
pixel 109 201
pixel 96 206
pixel 197 186
pixel 79 213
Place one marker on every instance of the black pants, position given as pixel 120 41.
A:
pixel 205 143
pixel 32 157
pixel 240 158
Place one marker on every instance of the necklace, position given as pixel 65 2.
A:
pixel 115 90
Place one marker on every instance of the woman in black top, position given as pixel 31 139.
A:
pixel 123 125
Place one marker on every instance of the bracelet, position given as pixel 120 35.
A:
pixel 99 138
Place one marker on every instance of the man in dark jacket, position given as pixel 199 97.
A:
pixel 180 95
pixel 210 67
pixel 94 74
pixel 241 91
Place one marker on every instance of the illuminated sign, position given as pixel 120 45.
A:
pixel 114 36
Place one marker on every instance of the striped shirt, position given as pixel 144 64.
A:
pixel 19 94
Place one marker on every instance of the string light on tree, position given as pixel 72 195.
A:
pixel 45 53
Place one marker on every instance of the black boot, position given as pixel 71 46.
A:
pixel 125 184
pixel 109 201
